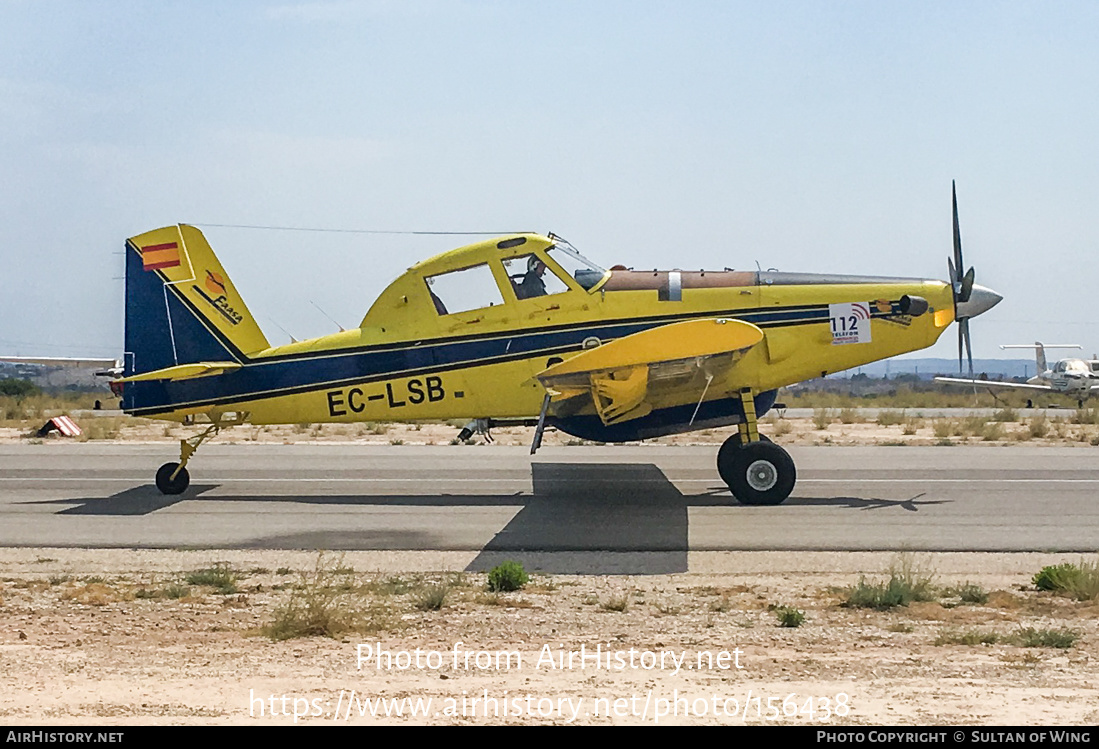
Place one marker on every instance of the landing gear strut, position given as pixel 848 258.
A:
pixel 172 478
pixel 757 471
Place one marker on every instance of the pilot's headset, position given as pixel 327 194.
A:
pixel 533 262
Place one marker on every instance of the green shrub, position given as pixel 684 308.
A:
pixel 1079 581
pixel 788 616
pixel 880 596
pixel 324 603
pixel 1046 638
pixel 220 577
pixel 907 583
pixel 507 577
pixel 971 593
pixel 619 602
pixel 432 597
pixel 1057 577
pixel 966 637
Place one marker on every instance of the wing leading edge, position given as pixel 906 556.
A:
pixel 996 384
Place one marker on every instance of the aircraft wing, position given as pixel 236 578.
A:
pixel 995 384
pixel 623 378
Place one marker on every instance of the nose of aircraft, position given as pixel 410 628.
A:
pixel 980 300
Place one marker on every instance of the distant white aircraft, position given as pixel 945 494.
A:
pixel 106 367
pixel 1075 378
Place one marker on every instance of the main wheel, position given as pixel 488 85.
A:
pixel 758 473
pixel 167 484
pixel 725 454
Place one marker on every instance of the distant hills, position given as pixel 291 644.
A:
pixel 996 369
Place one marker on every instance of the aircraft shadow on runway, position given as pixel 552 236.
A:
pixel 609 518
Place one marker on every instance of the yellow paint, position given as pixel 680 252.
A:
pixel 185 371
pixel 682 340
pixel 697 354
pixel 200 278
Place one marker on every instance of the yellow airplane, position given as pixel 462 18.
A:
pixel 523 329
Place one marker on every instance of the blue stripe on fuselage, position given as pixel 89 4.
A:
pixel 331 369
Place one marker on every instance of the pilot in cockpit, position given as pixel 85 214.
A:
pixel 532 284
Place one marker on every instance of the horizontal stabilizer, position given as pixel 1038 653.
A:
pixel 184 371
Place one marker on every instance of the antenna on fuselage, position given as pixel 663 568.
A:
pixel 284 330
pixel 342 330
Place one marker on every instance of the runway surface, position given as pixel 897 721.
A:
pixel 493 499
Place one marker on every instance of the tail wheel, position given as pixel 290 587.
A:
pixel 758 473
pixel 167 484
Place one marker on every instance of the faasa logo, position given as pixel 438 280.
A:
pixel 215 283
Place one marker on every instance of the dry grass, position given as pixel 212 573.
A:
pixel 95 594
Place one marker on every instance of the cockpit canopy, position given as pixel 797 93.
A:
pixel 496 273
pixel 528 275
pixel 1071 366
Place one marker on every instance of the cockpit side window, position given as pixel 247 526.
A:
pixel 531 277
pixel 463 290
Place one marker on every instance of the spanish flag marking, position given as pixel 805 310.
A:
pixel 157 256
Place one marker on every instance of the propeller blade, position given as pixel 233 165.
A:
pixel 967 286
pixel 964 330
pixel 960 323
pixel 957 231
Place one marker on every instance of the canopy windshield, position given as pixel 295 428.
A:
pixel 586 273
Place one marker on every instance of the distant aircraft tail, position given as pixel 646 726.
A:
pixel 1040 351
pixel 181 307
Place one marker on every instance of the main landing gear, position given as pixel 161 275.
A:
pixel 758 471
pixel 172 478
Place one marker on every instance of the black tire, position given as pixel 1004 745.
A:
pixel 726 453
pixel 759 473
pixel 165 483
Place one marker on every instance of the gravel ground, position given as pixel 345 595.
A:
pixel 117 637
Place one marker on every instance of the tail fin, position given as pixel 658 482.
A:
pixel 1040 351
pixel 1040 357
pixel 180 305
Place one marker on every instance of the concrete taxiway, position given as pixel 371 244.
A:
pixel 498 499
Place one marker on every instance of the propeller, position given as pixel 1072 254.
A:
pixel 963 288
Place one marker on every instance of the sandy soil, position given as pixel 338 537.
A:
pixel 96 637
pixel 116 637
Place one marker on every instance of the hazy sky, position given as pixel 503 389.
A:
pixel 805 136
